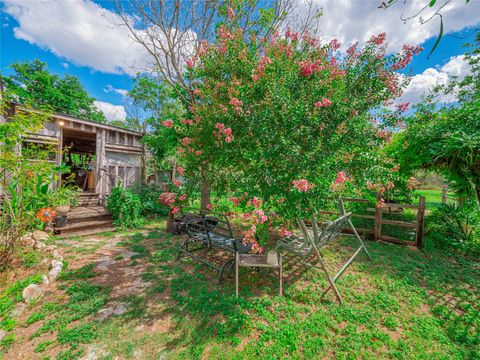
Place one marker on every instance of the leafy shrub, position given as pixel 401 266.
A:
pixel 149 198
pixel 67 195
pixel 456 227
pixel 125 207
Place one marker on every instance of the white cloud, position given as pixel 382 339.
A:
pixel 65 65
pixel 351 21
pixel 80 31
pixel 422 84
pixel 110 89
pixel 111 111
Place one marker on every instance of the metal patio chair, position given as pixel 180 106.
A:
pixel 312 240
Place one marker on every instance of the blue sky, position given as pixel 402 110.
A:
pixel 82 38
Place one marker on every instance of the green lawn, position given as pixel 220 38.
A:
pixel 433 197
pixel 405 304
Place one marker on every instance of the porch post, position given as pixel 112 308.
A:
pixel 100 166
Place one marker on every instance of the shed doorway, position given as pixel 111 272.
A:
pixel 79 154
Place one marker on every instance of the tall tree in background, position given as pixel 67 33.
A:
pixel 172 31
pixel 34 85
pixel 151 101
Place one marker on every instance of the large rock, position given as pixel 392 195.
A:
pixel 32 292
pixel 39 235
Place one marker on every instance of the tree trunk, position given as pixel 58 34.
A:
pixel 204 195
pixel 144 164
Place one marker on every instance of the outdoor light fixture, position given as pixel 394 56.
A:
pixel 61 123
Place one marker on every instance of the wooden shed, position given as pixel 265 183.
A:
pixel 96 152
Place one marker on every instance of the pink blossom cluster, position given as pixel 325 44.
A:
pixel 334 45
pixel 234 200
pixel 352 50
pixel 380 203
pixel 403 107
pixel 224 132
pixel 260 216
pixel 175 209
pixel 338 184
pixel 197 92
pixel 323 103
pixel 236 105
pixel 167 123
pixel 285 233
pixel 379 39
pixel 379 187
pixel 249 238
pixel 408 52
pixel 191 62
pixel 260 70
pixel 186 141
pixel 411 183
pixel 231 13
pixel 176 182
pixel 182 197
pixel 181 170
pixel 302 185
pixel 224 34
pixel 255 201
pixel 309 40
pixel 341 177
pixel 385 135
pixel 289 34
pixel 308 68
pixel 186 121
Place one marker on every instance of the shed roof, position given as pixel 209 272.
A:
pixel 81 121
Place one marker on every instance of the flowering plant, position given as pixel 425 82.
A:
pixel 288 119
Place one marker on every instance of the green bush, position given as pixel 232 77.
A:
pixel 455 227
pixel 125 207
pixel 149 197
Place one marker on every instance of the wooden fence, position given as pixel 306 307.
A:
pixel 376 232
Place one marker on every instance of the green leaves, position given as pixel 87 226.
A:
pixel 439 37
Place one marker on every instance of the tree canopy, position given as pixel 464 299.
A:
pixel 34 85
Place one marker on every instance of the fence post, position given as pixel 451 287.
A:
pixel 378 219
pixel 420 221
pixel 444 193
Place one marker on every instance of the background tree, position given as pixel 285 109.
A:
pixel 152 102
pixel 34 85
pixel 447 140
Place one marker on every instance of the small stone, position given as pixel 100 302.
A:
pixel 139 327
pixel 39 245
pixel 19 309
pixel 45 280
pixel 120 309
pixel 104 314
pixel 56 269
pixel 40 235
pixel 2 334
pixel 31 292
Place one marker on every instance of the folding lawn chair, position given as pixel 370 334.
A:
pixel 314 239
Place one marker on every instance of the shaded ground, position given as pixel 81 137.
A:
pixel 126 296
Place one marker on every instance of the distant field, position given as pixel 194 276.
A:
pixel 433 197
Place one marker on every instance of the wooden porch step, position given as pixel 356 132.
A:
pixel 85 225
pixel 85 213
pixel 90 231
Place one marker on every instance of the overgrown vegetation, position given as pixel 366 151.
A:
pixel 125 207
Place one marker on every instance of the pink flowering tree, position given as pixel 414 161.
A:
pixel 288 124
